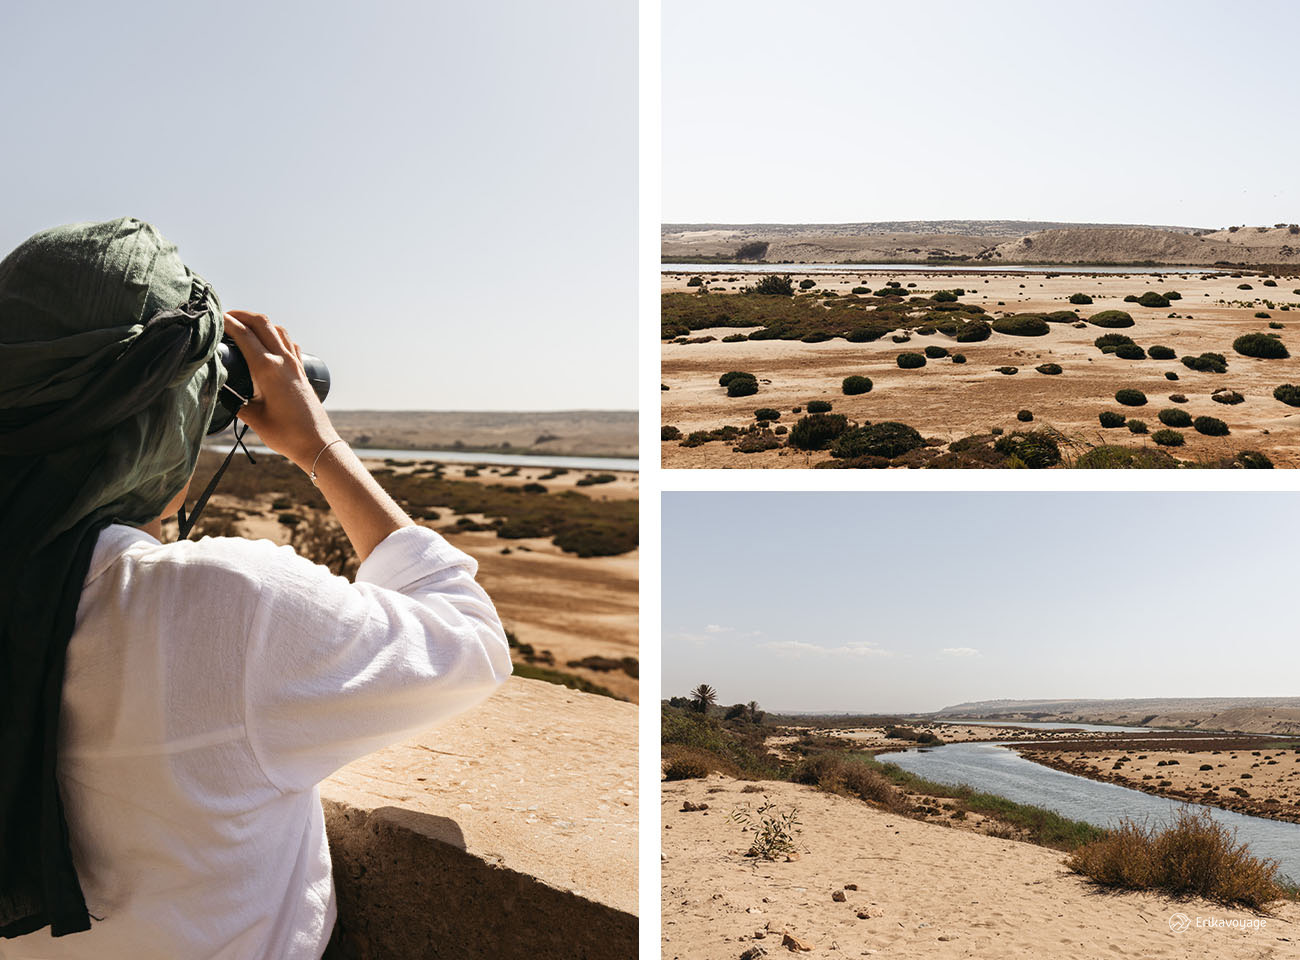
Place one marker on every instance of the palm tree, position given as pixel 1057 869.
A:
pixel 753 711
pixel 703 697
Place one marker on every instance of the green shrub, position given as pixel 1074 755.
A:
pixel 1036 449
pixel 1262 315
pixel 1210 426
pixel 773 285
pixel 1130 351
pixel 911 361
pixel 1131 298
pixel 934 353
pixel 1137 426
pixel 1229 397
pixel 807 284
pixel 1244 286
pixel 862 291
pixel 1111 319
pixel 1288 393
pixel 1274 325
pixel 741 387
pixel 863 335
pixel 1080 298
pixel 817 336
pixel 1207 363
pixel 1177 398
pixel 887 439
pixel 1158 352
pixel 817 430
pixel 767 413
pixel 1022 325
pixel 1173 417
pixel 1025 416
pixel 819 406
pixel 1110 419
pixel 974 331
pixel 734 338
pixel 855 385
pixel 695 282
pixel 1112 340
pixel 1061 316
pixel 1168 438
pixel 730 375
pixel 1153 299
pixel 1109 457
pixel 1253 460
pixel 669 432
pixel 959 358
pixel 945 296
pixel 1260 345
pixel 1130 397
pixel 1051 369
pixel 1007 371
pixel 1173 295
pixel 1170 375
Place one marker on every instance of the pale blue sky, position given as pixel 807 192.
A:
pixel 440 199
pixel 880 602
pixel 1160 111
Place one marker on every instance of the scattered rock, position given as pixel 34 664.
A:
pixel 753 953
pixel 850 886
pixel 838 896
pixel 863 915
pixel 794 944
pixel 690 807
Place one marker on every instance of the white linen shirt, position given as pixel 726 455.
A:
pixel 210 687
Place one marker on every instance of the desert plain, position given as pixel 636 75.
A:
pixel 946 401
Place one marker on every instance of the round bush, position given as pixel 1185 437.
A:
pixel 910 361
pixel 1061 316
pixel 819 406
pixel 1080 298
pixel 730 375
pixel 1130 351
pixel 1230 397
pixel 944 296
pixel 1022 325
pixel 1137 426
pixel 862 335
pixel 1177 398
pixel 1110 419
pixel 934 353
pixel 1025 416
pixel 817 336
pixel 1207 363
pixel 1253 460
pixel 1153 299
pixel 900 338
pixel 973 331
pixel 1168 438
pixel 1173 417
pixel 767 413
pixel 959 358
pixel 1260 345
pixel 1158 352
pixel 1288 393
pixel 816 431
pixel 1035 449
pixel 1111 319
pixel 861 291
pixel 1112 340
pixel 887 439
pixel 1051 369
pixel 1170 375
pixel 852 386
pixel 1173 295
pixel 1261 315
pixel 807 284
pixel 780 429
pixel 669 432
pixel 1130 397
pixel 1007 371
pixel 740 387
pixel 1210 426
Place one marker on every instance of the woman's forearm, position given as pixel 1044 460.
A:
pixel 364 509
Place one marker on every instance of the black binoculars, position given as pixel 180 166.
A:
pixel 239 383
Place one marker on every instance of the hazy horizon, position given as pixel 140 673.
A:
pixel 439 200
pixel 911 602
pixel 843 112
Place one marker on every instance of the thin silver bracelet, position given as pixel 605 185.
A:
pixel 317 460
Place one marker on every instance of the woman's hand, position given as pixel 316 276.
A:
pixel 284 410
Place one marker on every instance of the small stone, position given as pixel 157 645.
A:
pixel 863 915
pixel 838 896
pixel 792 856
pixel 753 953
pixel 794 944
pixel 850 886
pixel 945 939
pixel 689 807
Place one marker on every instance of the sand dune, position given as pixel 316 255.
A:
pixel 923 891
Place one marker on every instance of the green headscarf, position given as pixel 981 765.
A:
pixel 108 381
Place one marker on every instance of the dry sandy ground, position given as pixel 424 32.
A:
pixel 1266 715
pixel 575 607
pixel 1274 775
pixel 927 892
pixel 948 732
pixel 949 401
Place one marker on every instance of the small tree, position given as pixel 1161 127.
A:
pixel 703 697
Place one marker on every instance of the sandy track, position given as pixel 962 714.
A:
pixel 929 892
pixel 948 401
